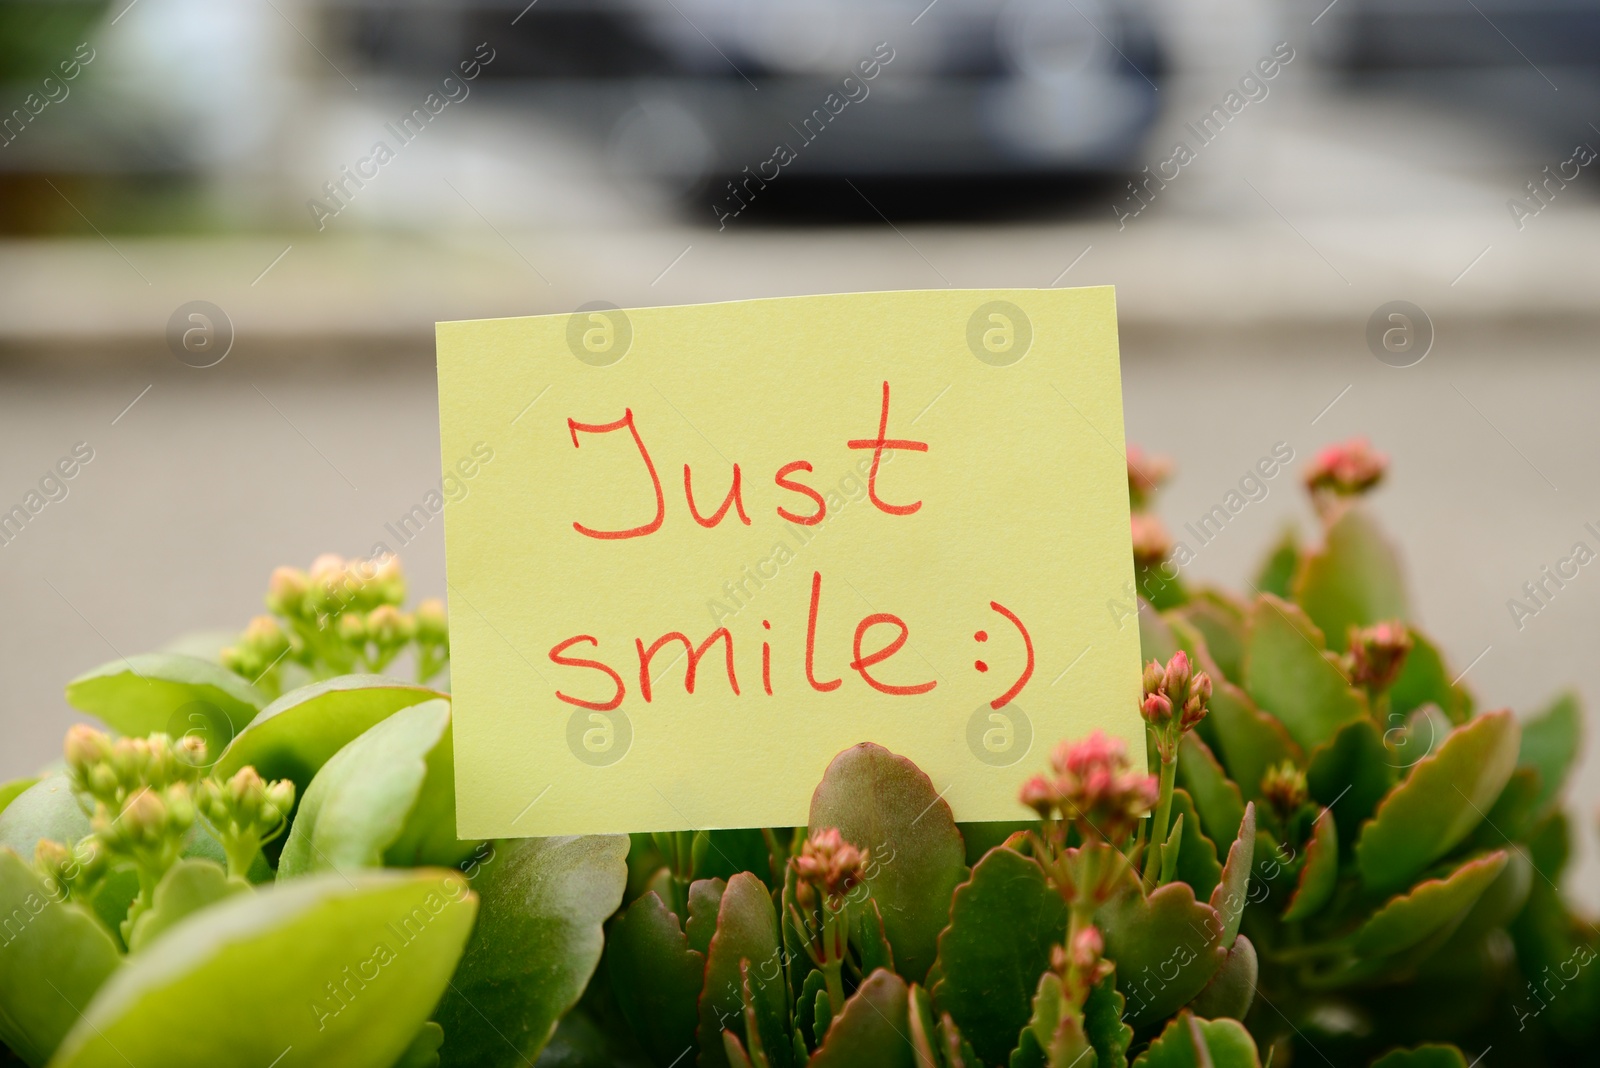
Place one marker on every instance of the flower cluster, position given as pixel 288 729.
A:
pixel 1377 653
pixel 1176 698
pixel 1283 787
pixel 245 812
pixel 1094 788
pixel 1151 541
pixel 1147 472
pixel 1348 469
pixel 340 616
pixel 830 866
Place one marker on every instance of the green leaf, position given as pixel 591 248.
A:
pixel 138 695
pixel 982 837
pixel 336 969
pixel 722 854
pixel 1038 1034
pixel 1439 803
pixel 1320 873
pixel 747 930
pixel 1156 640
pixel 1430 908
pixel 1103 1023
pixel 188 887
pixel 1248 740
pixel 299 732
pixel 53 957
pixel 1173 847
pixel 1167 947
pixel 655 977
pixel 1189 1042
pixel 1551 742
pixel 1352 773
pixel 10 791
pixel 1232 892
pixel 47 809
pixel 872 945
pixel 1429 1056
pixel 1233 988
pixel 1353 580
pixel 885 804
pixel 1196 863
pixel 1003 921
pixel 537 941
pixel 1425 680
pixel 871 1032
pixel 1288 673
pixel 424 1049
pixel 359 810
pixel 1221 625
pixel 811 1016
pixel 705 901
pixel 1277 571
pixel 1215 796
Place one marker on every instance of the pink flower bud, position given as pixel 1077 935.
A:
pixel 1377 653
pixel 1147 472
pixel 1175 683
pixel 1151 542
pixel 1156 710
pixel 1347 469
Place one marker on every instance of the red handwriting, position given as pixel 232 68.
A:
pixel 735 498
pixel 661 503
pixel 877 445
pixel 869 665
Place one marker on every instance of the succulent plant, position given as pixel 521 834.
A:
pixel 1332 856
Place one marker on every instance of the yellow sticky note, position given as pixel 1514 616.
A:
pixel 712 546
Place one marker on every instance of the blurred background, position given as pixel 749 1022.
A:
pixel 1258 178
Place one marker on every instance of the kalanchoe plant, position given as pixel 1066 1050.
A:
pixel 1331 857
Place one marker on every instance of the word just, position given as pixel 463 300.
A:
pixel 862 662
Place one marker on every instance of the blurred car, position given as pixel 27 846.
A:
pixel 1377 35
pixel 693 94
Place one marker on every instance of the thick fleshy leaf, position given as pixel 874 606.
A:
pixel 1320 873
pixel 1288 673
pixel 1033 1044
pixel 1197 862
pixel 1425 680
pixel 54 955
pixel 47 809
pixel 1248 740
pixel 1103 1022
pixel 1233 988
pixel 885 804
pixel 424 1049
pixel 1352 580
pixel 1222 626
pixel 747 930
pixel 1431 907
pixel 299 732
pixel 1551 742
pixel 655 978
pixel 1156 640
pixel 705 900
pixel 1190 1042
pixel 1233 888
pixel 1439 803
pixel 1167 947
pixel 982 837
pixel 10 791
pixel 339 969
pixel 1429 1056
pixel 1513 815
pixel 872 1030
pixel 385 797
pixel 1003 921
pixel 537 941
pixel 188 887
pixel 811 1018
pixel 1352 773
pixel 1276 573
pixel 1215 796
pixel 166 692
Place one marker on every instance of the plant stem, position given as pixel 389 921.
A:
pixel 1158 825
